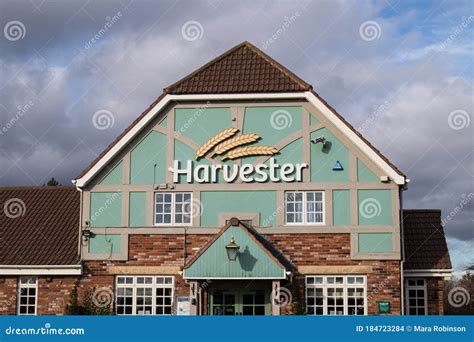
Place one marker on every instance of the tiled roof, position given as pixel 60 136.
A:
pixel 39 226
pixel 243 69
pixel 276 255
pixel 425 243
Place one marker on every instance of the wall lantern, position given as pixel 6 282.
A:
pixel 87 234
pixel 232 249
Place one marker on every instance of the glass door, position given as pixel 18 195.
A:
pixel 223 304
pixel 239 302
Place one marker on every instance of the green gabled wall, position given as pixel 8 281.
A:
pixel 375 207
pixel 272 124
pixel 115 176
pixel 324 159
pixel 215 202
pixel 252 261
pixel 200 124
pixel 341 207
pixel 106 209
pixel 375 242
pixel 137 209
pixel 150 151
pixel 102 243
pixel 364 174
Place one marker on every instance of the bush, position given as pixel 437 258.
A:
pixel 87 306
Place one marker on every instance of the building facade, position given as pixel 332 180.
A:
pixel 239 191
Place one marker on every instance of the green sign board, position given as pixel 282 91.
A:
pixel 384 306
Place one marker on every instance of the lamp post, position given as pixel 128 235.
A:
pixel 232 249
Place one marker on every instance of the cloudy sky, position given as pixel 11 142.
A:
pixel 402 73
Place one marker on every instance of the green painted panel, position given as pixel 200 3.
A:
pixel 148 160
pixel 217 202
pixel 341 207
pixel 137 211
pixel 313 120
pixel 272 124
pixel 324 159
pixel 114 177
pixel 364 174
pixel 102 243
pixel 252 260
pixel 375 207
pixel 106 209
pixel 375 242
pixel 200 124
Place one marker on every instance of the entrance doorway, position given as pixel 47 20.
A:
pixel 239 302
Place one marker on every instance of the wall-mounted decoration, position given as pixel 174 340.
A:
pixel 337 166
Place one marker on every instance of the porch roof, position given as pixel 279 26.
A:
pixel 257 258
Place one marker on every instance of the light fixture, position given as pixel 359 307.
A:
pixel 319 139
pixel 87 234
pixel 232 249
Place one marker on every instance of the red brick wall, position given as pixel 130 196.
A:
pixel 334 249
pixel 167 250
pixel 435 295
pixel 8 297
pixel 53 294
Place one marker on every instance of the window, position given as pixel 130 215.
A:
pixel 415 296
pixel 336 295
pixel 27 295
pixel 144 295
pixel 173 208
pixel 304 207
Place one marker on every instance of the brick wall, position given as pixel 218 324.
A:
pixel 8 296
pixel 334 249
pixel 167 250
pixel 53 294
pixel 435 295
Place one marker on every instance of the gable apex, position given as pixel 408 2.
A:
pixel 242 69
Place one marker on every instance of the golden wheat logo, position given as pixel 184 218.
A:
pixel 218 138
pixel 224 142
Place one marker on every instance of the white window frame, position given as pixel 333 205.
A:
pixel 345 286
pixel 154 285
pixel 423 287
pixel 305 219
pixel 21 295
pixel 173 209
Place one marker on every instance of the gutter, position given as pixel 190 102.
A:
pixel 41 269
pixel 402 244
